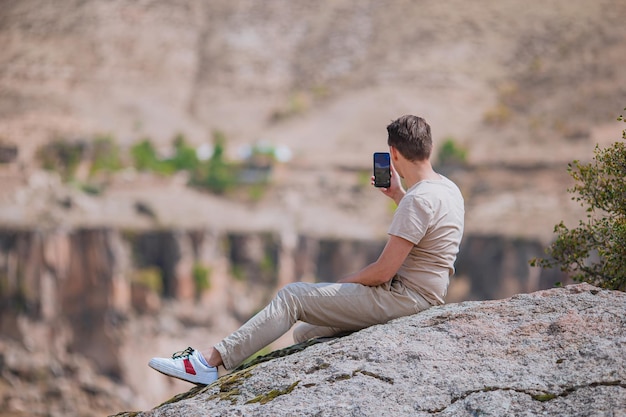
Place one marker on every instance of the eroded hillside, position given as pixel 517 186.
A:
pixel 517 85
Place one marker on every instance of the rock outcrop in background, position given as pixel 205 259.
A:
pixel 93 279
pixel 556 352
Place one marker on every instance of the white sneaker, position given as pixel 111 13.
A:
pixel 185 365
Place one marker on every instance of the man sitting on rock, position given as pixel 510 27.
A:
pixel 410 275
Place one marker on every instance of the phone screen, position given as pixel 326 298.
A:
pixel 382 172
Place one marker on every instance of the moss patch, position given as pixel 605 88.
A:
pixel 269 396
pixel 229 386
pixel 544 397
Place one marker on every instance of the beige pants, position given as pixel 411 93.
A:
pixel 326 309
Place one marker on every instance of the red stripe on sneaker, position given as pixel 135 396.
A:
pixel 189 367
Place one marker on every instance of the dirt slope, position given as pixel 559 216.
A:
pixel 517 84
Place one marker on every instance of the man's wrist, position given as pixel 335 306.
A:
pixel 399 195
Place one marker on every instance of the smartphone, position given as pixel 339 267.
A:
pixel 382 169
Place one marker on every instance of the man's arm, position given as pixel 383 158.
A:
pixel 385 267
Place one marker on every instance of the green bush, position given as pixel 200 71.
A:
pixel 185 158
pixel 216 174
pixel 451 154
pixel 146 159
pixel 595 251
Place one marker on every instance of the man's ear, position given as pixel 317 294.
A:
pixel 394 153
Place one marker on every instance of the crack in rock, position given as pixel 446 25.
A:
pixel 536 395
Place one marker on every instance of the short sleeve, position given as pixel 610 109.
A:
pixel 411 219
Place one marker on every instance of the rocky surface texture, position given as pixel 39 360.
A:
pixel 555 352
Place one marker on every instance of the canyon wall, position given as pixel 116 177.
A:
pixel 93 278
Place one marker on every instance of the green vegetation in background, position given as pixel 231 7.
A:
pixel 201 278
pixel 262 154
pixel 185 157
pixel 364 178
pixel 216 174
pixel 595 251
pixel 89 187
pixel 450 153
pixel 237 272
pixel 150 278
pixel 65 157
pixel 256 192
pixel 104 156
pixel 62 156
pixel 268 265
pixel 145 158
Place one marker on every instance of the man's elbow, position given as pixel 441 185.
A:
pixel 381 273
pixel 383 279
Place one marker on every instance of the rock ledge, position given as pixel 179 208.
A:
pixel 553 352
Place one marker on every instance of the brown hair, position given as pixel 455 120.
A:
pixel 410 135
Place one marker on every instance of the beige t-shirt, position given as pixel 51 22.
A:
pixel 431 216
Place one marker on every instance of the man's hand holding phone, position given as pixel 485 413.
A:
pixel 395 191
pixel 386 178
